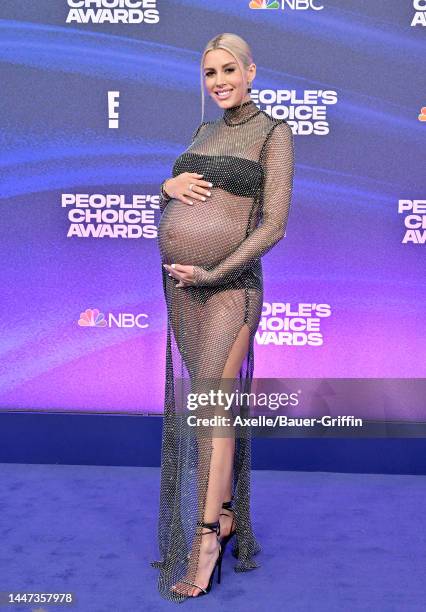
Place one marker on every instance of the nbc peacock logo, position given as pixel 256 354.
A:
pixel 92 317
pixel 264 4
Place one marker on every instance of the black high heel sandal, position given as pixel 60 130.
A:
pixel 213 528
pixel 224 541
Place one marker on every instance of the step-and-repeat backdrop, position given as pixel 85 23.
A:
pixel 98 98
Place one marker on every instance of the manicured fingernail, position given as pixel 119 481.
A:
pixel 210 184
pixel 209 193
pixel 204 199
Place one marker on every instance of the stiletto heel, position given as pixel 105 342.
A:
pixel 224 541
pixel 219 567
pixel 213 528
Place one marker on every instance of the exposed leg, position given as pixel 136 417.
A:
pixel 220 473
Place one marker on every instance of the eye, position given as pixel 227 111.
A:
pixel 207 74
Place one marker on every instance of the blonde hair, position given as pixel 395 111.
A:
pixel 236 46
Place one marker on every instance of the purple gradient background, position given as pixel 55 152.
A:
pixel 343 239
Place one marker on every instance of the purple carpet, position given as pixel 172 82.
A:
pixel 331 542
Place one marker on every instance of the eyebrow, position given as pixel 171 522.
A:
pixel 224 66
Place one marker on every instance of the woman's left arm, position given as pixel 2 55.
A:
pixel 277 159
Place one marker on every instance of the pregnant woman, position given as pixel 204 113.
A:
pixel 225 206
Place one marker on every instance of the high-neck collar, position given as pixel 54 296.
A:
pixel 236 115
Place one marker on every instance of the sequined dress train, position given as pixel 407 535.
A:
pixel 248 157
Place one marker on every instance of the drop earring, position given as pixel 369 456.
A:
pixel 249 88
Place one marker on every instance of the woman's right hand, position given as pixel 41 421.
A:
pixel 178 187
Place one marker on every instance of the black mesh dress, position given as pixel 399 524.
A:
pixel 248 157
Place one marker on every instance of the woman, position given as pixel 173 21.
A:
pixel 226 205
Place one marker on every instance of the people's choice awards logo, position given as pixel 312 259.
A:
pixel 420 13
pixel 284 324
pixel 291 5
pixel 112 11
pixel 112 215
pixel 306 111
pixel 414 212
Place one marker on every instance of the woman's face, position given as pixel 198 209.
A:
pixel 221 73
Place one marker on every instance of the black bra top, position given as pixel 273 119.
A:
pixel 238 175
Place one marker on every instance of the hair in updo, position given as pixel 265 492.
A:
pixel 236 46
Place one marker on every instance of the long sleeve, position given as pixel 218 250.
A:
pixel 277 159
pixel 162 200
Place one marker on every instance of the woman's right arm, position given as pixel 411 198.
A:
pixel 164 195
pixel 178 187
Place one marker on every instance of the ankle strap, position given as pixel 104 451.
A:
pixel 212 527
pixel 227 505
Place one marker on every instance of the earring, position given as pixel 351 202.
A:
pixel 249 88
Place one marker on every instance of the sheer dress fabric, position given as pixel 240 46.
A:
pixel 249 158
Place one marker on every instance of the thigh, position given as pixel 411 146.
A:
pixel 220 322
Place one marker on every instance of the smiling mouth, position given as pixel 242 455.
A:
pixel 222 95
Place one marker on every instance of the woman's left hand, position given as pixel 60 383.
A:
pixel 184 274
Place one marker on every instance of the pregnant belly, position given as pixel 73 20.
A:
pixel 200 235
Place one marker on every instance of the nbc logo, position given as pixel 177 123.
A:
pixel 264 4
pixel 92 318
pixel 422 116
pixel 293 5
